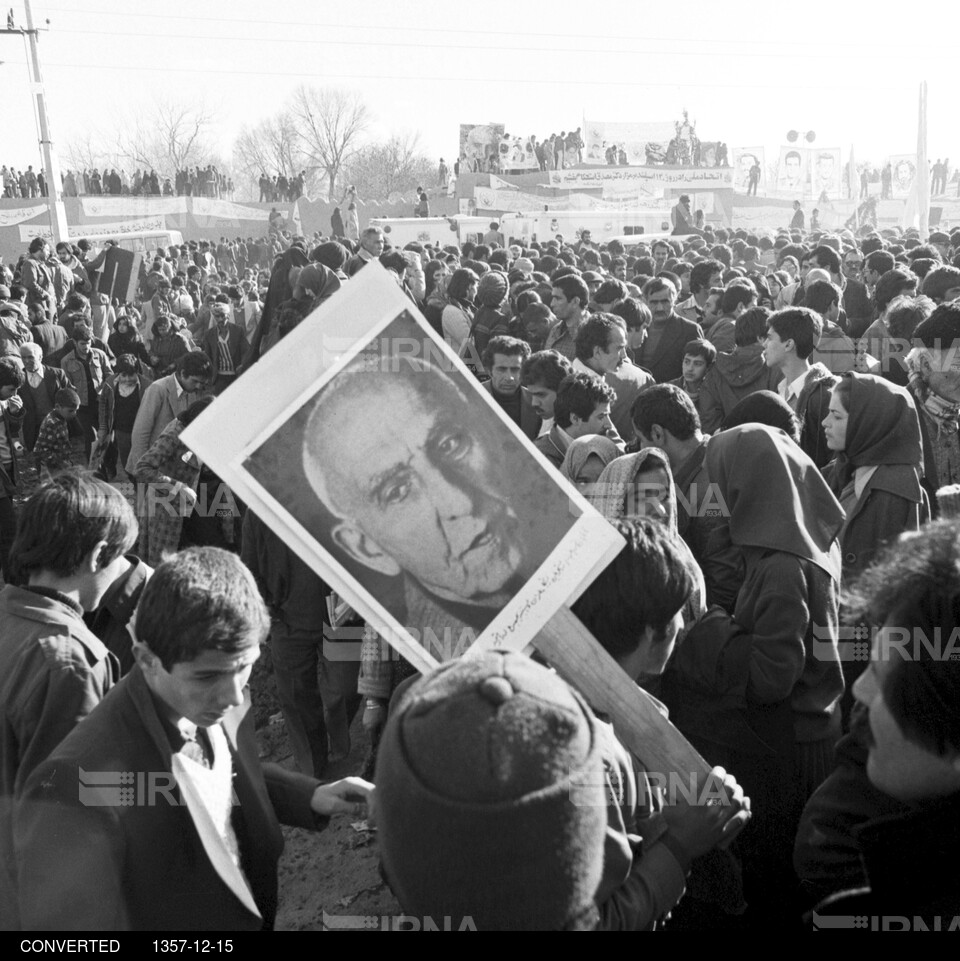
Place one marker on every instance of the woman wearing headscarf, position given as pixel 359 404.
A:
pixel 873 426
pixel 283 280
pixel 586 459
pixel 641 485
pixel 457 317
pixel 758 692
pixel 437 280
pixel 336 223
pixel 126 339
pixel 637 485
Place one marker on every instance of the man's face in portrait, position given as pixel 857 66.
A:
pixel 414 482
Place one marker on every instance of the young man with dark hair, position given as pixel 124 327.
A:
pixel 569 301
pixel 198 846
pixel 738 373
pixel 942 284
pixel 703 276
pixel 835 350
pixel 602 349
pixel 738 296
pixel 792 334
pixel 581 408
pixel 71 538
pixel 664 417
pixel 164 399
pixel 503 357
pixel 698 357
pixel 540 376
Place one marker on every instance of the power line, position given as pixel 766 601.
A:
pixel 584 82
pixel 85 12
pixel 673 54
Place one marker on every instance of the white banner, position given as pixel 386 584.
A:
pixel 744 160
pixel 771 217
pixel 647 180
pixel 225 210
pixel 18 215
pixel 631 138
pixel 77 231
pixel 133 206
pixel 489 199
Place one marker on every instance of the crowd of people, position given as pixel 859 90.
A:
pixel 770 423
pixel 197 182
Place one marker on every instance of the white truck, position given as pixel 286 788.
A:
pixel 603 225
pixel 458 229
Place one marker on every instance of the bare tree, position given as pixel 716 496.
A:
pixel 271 147
pixel 396 166
pixel 171 136
pixel 330 122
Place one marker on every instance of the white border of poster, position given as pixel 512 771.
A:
pixel 282 392
pixel 792 177
pixel 826 173
pixel 741 173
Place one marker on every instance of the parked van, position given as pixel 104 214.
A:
pixel 143 243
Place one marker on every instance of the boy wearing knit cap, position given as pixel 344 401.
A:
pixel 501 801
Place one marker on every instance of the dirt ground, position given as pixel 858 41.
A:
pixel 328 879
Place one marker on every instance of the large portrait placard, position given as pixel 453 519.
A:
pixel 373 452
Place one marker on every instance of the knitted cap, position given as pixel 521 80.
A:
pixel 331 254
pixel 490 797
pixel 492 289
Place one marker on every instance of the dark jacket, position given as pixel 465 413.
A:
pixel 528 421
pixel 701 523
pixel 665 362
pixel 51 338
pixel 910 857
pixel 857 304
pixel 108 400
pixel 892 503
pixel 54 379
pixel 143 866
pixel 116 609
pixel 732 378
pixel 10 483
pixel 236 343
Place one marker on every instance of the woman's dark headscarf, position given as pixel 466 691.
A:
pixel 774 495
pixel 279 291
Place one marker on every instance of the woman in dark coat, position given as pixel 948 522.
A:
pixel 283 281
pixel 336 223
pixel 873 426
pixel 758 693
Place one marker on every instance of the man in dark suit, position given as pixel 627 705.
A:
pixel 155 813
pixel 39 389
pixel 662 351
pixel 226 345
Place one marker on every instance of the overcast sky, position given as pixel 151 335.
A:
pixel 746 72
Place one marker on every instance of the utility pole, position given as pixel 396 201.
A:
pixel 51 168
